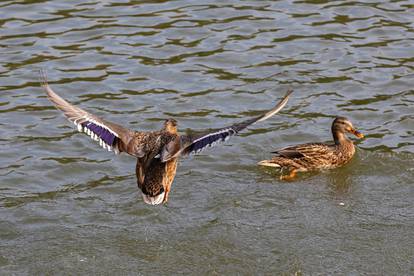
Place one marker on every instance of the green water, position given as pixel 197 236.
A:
pixel 67 207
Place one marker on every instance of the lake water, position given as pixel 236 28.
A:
pixel 69 207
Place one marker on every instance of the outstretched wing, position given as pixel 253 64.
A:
pixel 194 144
pixel 111 136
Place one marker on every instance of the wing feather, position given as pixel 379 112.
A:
pixel 310 150
pixel 194 144
pixel 111 136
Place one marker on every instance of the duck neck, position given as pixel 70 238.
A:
pixel 340 138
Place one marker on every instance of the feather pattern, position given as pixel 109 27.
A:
pixel 314 156
pixel 100 133
pixel 156 151
pixel 109 135
pixel 210 140
pixel 310 156
pixel 194 144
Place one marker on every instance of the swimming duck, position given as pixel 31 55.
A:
pixel 315 156
pixel 156 151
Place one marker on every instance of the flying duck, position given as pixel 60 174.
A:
pixel 156 151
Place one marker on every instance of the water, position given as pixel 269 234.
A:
pixel 68 207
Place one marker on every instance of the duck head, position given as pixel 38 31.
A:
pixel 342 125
pixel 170 125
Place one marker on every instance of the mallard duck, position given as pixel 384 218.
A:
pixel 316 156
pixel 156 151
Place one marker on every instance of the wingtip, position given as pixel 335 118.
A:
pixel 45 84
pixel 278 107
pixel 287 95
pixel 43 77
pixel 284 100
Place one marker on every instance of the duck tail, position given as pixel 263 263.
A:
pixel 269 163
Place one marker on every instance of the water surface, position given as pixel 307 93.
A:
pixel 69 207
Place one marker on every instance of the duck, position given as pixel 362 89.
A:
pixel 316 156
pixel 156 152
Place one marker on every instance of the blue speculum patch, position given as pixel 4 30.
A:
pixel 101 132
pixel 209 140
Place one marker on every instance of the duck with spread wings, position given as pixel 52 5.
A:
pixel 156 151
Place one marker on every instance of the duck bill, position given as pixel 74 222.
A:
pixel 357 133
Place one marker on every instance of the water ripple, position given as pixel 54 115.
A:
pixel 207 64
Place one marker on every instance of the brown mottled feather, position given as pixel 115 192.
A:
pixel 156 151
pixel 314 156
pixel 194 143
pixel 149 146
pixel 155 174
pixel 171 168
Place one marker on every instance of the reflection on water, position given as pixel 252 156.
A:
pixel 207 65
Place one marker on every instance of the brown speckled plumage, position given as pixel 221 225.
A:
pixel 156 151
pixel 153 175
pixel 316 156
